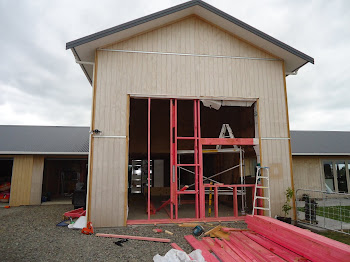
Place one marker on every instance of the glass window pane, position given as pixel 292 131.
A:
pixel 328 173
pixel 341 176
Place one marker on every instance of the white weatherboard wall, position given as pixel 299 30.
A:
pixel 120 74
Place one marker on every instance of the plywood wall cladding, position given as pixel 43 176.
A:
pixel 108 180
pixel 37 180
pixel 120 74
pixel 26 182
pixel 21 180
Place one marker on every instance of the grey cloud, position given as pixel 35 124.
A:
pixel 41 84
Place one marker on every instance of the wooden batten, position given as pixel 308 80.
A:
pixel 92 140
pixel 289 143
pixel 126 159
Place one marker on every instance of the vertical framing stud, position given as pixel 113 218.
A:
pixel 149 160
pixel 195 132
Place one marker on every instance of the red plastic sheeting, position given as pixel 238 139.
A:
pixel 75 213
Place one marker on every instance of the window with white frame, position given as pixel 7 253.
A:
pixel 336 175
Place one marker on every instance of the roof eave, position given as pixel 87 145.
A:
pixel 183 6
pixel 42 153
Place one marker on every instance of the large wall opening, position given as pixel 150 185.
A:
pixel 160 158
pixel 227 164
pixel 62 177
pixel 6 165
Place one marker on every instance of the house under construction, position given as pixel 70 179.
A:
pixel 187 102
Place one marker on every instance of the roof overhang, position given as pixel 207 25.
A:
pixel 321 154
pixel 84 48
pixel 43 153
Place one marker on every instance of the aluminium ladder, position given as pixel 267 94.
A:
pixel 265 186
pixel 226 128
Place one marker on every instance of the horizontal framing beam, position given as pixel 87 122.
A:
pixel 230 141
pixel 157 96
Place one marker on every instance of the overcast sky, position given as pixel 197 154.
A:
pixel 40 84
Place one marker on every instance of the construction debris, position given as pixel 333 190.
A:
pixel 168 232
pixel 165 240
pixel 120 242
pixel 198 231
pixel 268 243
pixel 88 230
pixel 174 255
pixel 175 246
pixel 188 225
pixel 79 224
pixel 75 213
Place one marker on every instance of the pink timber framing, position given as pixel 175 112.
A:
pixel 199 190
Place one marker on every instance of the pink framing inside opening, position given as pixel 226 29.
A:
pixel 199 190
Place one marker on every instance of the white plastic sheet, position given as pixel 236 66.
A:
pixel 79 224
pixel 174 255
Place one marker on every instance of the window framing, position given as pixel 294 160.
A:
pixel 335 175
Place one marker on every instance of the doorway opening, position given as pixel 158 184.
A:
pixel 62 178
pixel 6 165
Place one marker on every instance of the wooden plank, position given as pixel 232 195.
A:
pixel 175 246
pixel 229 251
pixel 289 142
pixel 182 220
pixel 196 244
pixel 154 239
pixel 221 235
pixel 281 251
pixel 228 245
pixel 219 252
pixel 212 230
pixel 251 254
pixel 189 225
pixel 230 229
pixel 305 243
pixel 267 254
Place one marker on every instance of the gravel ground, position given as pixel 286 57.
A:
pixel 29 233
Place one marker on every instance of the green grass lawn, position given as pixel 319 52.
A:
pixel 340 213
pixel 336 236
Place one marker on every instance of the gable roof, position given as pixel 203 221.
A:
pixel 57 140
pixel 320 142
pixel 84 48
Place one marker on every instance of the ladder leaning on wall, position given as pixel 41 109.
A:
pixel 264 186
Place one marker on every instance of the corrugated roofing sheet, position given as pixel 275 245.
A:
pixel 320 142
pixel 44 139
pixel 75 140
